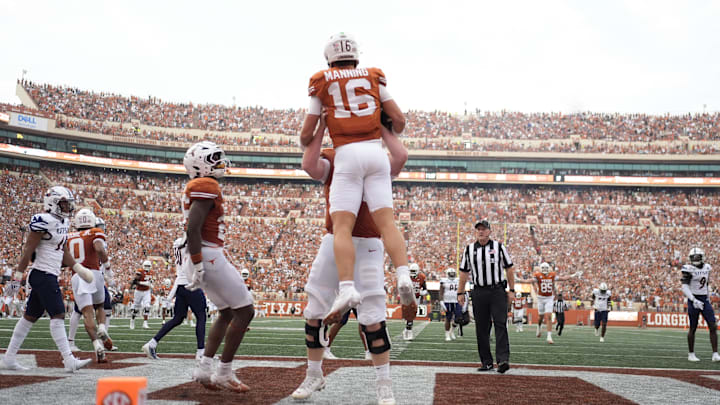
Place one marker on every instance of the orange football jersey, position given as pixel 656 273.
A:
pixel 546 283
pixel 352 98
pixel 418 283
pixel 518 303
pixel 144 276
pixel 364 224
pixel 80 245
pixel 207 188
pixel 249 284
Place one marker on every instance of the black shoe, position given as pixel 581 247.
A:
pixel 485 367
pixel 503 367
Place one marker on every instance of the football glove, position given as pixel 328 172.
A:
pixel 405 288
pixel 698 304
pixel 197 277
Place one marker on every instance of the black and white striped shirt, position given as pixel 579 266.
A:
pixel 560 307
pixel 486 263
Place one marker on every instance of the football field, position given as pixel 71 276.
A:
pixel 578 346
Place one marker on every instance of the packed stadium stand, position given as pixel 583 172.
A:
pixel 631 237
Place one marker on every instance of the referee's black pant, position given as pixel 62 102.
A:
pixel 491 303
pixel 560 317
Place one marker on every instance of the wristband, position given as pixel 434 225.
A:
pixel 512 290
pixel 196 258
pixel 460 293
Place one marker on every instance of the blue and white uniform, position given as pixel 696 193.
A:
pixel 697 278
pixel 601 303
pixel 450 288
pixel 47 263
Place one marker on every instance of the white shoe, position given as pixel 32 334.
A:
pixel 203 374
pixel 114 349
pixel 327 354
pixel 150 351
pixel 368 356
pixel 384 392
pixel 192 324
pixel 229 382
pixel 549 340
pixel 74 348
pixel 132 324
pixel 347 299
pixel 73 364
pixel 452 335
pixel 447 336
pixel 408 334
pixel 145 325
pixel 602 339
pixel 312 382
pixel 12 366
pixel 716 356
pixel 597 332
pixel 405 289
pixel 692 357
pixel 537 334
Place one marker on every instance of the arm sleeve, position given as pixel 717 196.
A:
pixel 315 106
pixel 384 94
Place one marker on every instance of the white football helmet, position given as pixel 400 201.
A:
pixel 99 223
pixel 414 269
pixel 518 294
pixel 245 274
pixel 205 159
pixel 167 283
pixel 147 265
pixel 59 201
pixel 544 268
pixel 450 272
pixel 696 256
pixel 603 287
pixel 341 47
pixel 84 219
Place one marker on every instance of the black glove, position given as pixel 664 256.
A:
pixel 385 120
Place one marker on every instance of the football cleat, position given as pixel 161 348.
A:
pixel 602 339
pixel 550 341
pixel 229 382
pixel 597 332
pixel 145 325
pixel 452 335
pixel 73 347
pixel 114 349
pixel 13 365
pixel 99 351
pixel 103 335
pixel 203 374
pixel 716 356
pixel 408 334
pixel 368 356
pixel 347 299
pixel 447 336
pixel 537 334
pixel 384 392
pixel 312 382
pixel 132 324
pixel 327 354
pixel 692 357
pixel 150 351
pixel 73 364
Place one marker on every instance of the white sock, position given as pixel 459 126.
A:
pixel 200 352
pixel 691 354
pixel 549 334
pixel 57 330
pixel 74 323
pixel 22 328
pixel 107 321
pixel 224 368
pixel 207 361
pixel 315 366
pixel 383 371
pixel 153 343
pixel 346 284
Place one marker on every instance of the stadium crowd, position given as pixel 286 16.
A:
pixel 596 230
pixel 111 114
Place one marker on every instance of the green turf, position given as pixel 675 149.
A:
pixel 623 347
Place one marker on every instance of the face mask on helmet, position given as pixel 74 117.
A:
pixel 545 268
pixel 450 273
pixel 59 201
pixel 696 256
pixel 414 270
pixel 205 159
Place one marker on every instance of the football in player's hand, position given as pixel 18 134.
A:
pixel 385 120
pixel 409 312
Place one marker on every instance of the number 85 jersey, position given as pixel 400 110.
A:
pixel 698 276
pixel 353 100
pixel 207 188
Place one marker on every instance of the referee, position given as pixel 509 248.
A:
pixel 486 261
pixel 560 307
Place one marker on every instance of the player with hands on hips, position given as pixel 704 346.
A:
pixel 601 302
pixel 47 241
pixel 695 280
pixel 355 99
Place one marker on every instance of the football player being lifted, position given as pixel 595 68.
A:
pixel 47 248
pixel 545 280
pixel 417 280
pixel 354 100
pixel 695 279
pixel 210 269
pixel 143 285
pixel 369 276
pixel 449 303
pixel 87 246
pixel 601 302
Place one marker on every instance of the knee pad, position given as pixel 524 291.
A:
pixel 314 331
pixel 371 337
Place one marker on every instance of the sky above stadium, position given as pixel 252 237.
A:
pixel 532 56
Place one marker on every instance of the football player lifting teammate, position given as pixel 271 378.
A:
pixel 354 99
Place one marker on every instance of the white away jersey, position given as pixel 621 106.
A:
pixel 49 253
pixel 450 289
pixel 601 300
pixel 179 249
pixel 700 278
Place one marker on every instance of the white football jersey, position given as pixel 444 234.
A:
pixel 450 289
pixel 601 300
pixel 49 253
pixel 179 252
pixel 700 278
